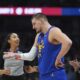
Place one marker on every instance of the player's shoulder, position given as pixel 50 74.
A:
pixel 55 29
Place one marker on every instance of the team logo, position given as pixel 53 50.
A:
pixel 40 47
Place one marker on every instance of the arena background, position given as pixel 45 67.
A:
pixel 63 13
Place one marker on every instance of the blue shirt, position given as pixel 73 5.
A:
pixel 47 53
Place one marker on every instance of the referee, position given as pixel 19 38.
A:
pixel 15 66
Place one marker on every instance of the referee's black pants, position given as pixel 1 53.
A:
pixel 6 77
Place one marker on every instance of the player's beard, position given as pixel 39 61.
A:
pixel 38 31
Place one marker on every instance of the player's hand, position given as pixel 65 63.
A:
pixel 17 56
pixel 59 63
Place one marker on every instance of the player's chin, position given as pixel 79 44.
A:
pixel 37 31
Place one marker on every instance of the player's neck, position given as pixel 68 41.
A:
pixel 46 27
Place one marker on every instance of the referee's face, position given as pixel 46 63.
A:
pixel 14 40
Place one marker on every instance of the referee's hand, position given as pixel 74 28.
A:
pixel 6 72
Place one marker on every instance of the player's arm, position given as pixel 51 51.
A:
pixel 31 54
pixel 63 39
pixel 24 56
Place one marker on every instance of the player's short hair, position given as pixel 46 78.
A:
pixel 40 16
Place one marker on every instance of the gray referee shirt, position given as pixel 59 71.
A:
pixel 15 66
